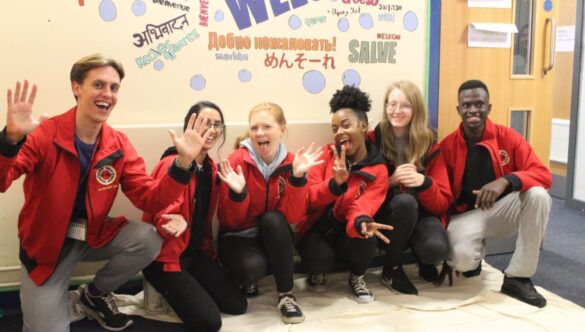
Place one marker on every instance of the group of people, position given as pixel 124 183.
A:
pixel 391 188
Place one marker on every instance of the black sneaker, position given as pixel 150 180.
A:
pixel 317 282
pixel 428 272
pixel 472 273
pixel 250 291
pixel 360 289
pixel 290 309
pixel 522 289
pixel 104 310
pixel 398 282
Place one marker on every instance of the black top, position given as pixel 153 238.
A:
pixel 201 202
pixel 478 172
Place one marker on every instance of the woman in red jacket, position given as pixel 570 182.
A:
pixel 344 195
pixel 419 192
pixel 186 272
pixel 258 202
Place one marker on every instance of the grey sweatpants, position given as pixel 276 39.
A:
pixel 46 307
pixel 524 213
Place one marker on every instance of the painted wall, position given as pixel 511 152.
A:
pixel 236 53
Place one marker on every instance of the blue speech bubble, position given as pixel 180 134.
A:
pixel 138 7
pixel 343 24
pixel 294 22
pixel 314 81
pixel 366 21
pixel 107 10
pixel 351 77
pixel 198 82
pixel 244 75
pixel 410 21
pixel 218 16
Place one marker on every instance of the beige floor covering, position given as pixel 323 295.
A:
pixel 473 304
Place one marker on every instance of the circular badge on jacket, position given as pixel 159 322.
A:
pixel 106 175
pixel 504 157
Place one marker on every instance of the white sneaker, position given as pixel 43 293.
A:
pixel 360 289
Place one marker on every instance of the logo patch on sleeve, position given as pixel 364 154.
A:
pixel 504 157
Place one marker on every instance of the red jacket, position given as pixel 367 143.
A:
pixel 435 193
pixel 356 201
pixel 282 192
pixel 510 154
pixel 173 247
pixel 49 160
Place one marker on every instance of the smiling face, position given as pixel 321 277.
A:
pixel 399 111
pixel 474 107
pixel 214 124
pixel 265 134
pixel 349 132
pixel 97 94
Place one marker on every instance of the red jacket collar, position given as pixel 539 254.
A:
pixel 65 136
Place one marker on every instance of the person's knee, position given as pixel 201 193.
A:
pixel 237 306
pixel 433 251
pixel 404 202
pixel 146 239
pixel 538 196
pixel 462 259
pixel 272 221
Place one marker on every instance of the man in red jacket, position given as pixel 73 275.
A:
pixel 74 163
pixel 499 186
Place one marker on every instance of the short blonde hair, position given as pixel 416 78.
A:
pixel 85 64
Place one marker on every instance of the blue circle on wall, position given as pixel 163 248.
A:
pixel 366 21
pixel 218 16
pixel 244 75
pixel 548 5
pixel 351 77
pixel 314 81
pixel 294 22
pixel 158 65
pixel 410 21
pixel 107 9
pixel 138 7
pixel 343 24
pixel 198 82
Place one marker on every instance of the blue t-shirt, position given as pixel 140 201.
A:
pixel 85 152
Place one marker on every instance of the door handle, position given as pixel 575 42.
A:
pixel 553 40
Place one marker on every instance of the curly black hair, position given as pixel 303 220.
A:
pixel 353 98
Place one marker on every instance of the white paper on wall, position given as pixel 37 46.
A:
pixel 490 35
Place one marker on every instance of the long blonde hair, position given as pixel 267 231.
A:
pixel 421 136
pixel 273 108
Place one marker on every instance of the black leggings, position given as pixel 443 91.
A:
pixel 422 231
pixel 327 242
pixel 248 260
pixel 199 292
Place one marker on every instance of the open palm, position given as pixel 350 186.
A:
pixel 20 120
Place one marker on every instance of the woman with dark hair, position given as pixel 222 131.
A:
pixel 419 191
pixel 345 193
pixel 186 272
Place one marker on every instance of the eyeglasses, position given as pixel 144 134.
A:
pixel 393 106
pixel 218 126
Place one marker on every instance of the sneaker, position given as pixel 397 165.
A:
pixel 360 289
pixel 428 272
pixel 472 273
pixel 398 282
pixel 104 310
pixel 317 282
pixel 290 309
pixel 522 289
pixel 250 291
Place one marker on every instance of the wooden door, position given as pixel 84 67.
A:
pixel 520 92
